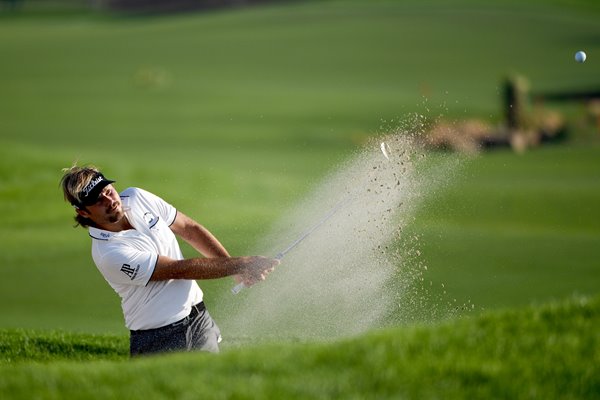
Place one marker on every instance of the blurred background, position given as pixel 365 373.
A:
pixel 234 110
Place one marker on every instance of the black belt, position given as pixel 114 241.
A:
pixel 196 309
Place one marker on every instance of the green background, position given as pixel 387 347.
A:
pixel 233 115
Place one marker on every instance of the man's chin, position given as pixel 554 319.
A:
pixel 116 217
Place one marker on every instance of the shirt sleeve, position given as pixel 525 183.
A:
pixel 127 266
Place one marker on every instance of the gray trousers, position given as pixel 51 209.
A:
pixel 197 331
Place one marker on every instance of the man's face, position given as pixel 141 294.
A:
pixel 108 209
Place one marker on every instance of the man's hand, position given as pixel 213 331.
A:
pixel 256 269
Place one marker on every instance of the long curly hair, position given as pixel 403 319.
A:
pixel 75 178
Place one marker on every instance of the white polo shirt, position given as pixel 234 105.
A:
pixel 127 260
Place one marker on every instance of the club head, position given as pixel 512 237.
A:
pixel 385 149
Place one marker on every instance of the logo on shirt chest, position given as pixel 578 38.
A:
pixel 150 219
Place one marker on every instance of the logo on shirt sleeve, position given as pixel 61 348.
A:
pixel 130 271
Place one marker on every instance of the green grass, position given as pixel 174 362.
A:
pixel 510 229
pixel 550 351
pixel 234 115
pixel 25 346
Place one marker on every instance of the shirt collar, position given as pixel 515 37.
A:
pixel 100 234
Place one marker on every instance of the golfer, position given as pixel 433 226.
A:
pixel 135 248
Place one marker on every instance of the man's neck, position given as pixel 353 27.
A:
pixel 121 225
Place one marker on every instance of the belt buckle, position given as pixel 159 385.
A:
pixel 180 322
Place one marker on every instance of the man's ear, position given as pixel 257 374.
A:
pixel 83 212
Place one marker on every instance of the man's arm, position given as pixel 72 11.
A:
pixel 198 237
pixel 251 269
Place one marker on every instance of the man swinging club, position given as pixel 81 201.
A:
pixel 135 248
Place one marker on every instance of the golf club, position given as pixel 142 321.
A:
pixel 385 150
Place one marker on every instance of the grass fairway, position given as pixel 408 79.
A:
pixel 549 352
pixel 513 229
pixel 234 115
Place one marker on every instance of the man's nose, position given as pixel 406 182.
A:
pixel 105 198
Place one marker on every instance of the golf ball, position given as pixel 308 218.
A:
pixel 580 56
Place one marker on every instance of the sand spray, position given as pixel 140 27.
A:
pixel 359 270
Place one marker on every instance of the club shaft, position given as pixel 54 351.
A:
pixel 385 150
pixel 237 288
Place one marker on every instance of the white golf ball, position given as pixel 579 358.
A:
pixel 580 56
